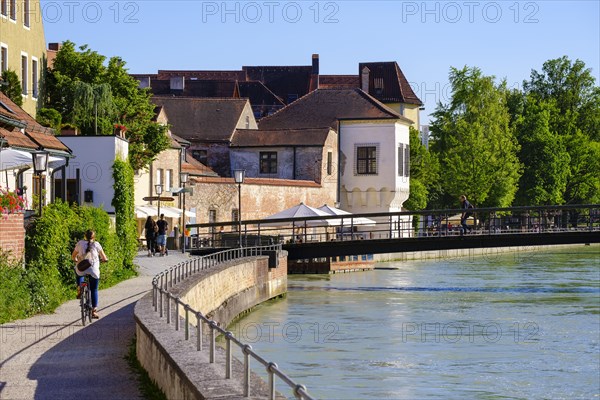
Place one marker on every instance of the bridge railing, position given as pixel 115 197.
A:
pixel 404 224
pixel 164 302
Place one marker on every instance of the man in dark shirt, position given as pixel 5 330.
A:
pixel 163 227
pixel 466 206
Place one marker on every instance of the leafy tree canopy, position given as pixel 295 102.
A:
pixel 424 173
pixel 567 91
pixel 474 142
pixel 95 96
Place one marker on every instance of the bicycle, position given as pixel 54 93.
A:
pixel 85 301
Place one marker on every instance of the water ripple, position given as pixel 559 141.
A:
pixel 527 289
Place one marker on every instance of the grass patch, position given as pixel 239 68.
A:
pixel 148 389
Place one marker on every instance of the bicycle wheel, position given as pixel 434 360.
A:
pixel 89 304
pixel 83 303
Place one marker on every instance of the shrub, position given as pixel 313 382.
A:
pixel 124 205
pixel 48 278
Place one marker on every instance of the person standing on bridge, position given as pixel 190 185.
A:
pixel 465 205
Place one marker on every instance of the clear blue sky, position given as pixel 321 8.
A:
pixel 506 39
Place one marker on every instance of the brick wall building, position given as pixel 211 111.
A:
pixel 12 235
pixel 216 199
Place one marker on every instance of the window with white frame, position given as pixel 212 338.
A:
pixel 24 73
pixel 3 58
pixel 168 179
pixel 4 8
pixel 34 77
pixel 366 159
pixel 158 180
pixel 26 20
pixel 13 10
pixel 400 159
pixel 403 159
pixel 407 160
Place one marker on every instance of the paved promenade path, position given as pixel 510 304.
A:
pixel 55 357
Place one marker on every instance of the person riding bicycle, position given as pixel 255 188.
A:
pixel 83 247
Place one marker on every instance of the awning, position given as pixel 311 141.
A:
pixel 16 159
pixel 170 212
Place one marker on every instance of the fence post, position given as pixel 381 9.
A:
pixel 176 313
pixel 228 363
pixel 161 303
pixel 270 368
pixel 154 297
pixel 187 322
pixel 212 341
pixel 168 307
pixel 246 349
pixel 198 331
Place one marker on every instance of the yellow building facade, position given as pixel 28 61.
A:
pixel 23 47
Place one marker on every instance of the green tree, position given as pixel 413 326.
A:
pixel 543 154
pixel 474 142
pixel 93 108
pixel 575 118
pixel 49 117
pixel 87 91
pixel 11 87
pixel 424 173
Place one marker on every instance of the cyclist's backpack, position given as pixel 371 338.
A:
pixel 85 263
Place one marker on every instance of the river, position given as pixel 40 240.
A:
pixel 518 325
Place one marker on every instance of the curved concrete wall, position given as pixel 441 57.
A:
pixel 222 293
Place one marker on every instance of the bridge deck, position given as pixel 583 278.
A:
pixel 383 246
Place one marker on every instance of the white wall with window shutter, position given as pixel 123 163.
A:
pixel 390 175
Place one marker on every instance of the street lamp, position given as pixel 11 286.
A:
pixel 238 176
pixel 159 189
pixel 40 165
pixel 183 178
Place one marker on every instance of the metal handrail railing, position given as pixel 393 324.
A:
pixel 398 225
pixel 174 275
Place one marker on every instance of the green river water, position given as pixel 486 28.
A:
pixel 517 325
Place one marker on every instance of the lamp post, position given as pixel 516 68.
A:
pixel 40 165
pixel 238 176
pixel 159 190
pixel 183 178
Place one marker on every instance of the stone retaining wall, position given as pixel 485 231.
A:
pixel 222 292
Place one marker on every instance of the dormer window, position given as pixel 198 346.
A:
pixel 201 155
pixel 378 85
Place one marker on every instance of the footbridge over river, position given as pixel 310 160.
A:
pixel 407 231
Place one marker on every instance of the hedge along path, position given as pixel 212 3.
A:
pixel 54 356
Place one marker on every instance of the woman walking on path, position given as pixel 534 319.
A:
pixel 150 227
pixel 94 249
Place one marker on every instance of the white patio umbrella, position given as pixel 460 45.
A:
pixel 346 215
pixel 297 212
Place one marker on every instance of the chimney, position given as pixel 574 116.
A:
pixel 364 79
pixel 177 84
pixel 314 75
pixel 315 64
pixel 144 82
